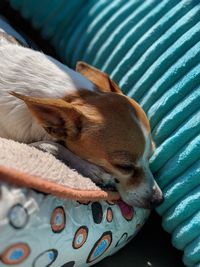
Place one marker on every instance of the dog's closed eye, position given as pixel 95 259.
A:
pixel 125 168
pixel 123 162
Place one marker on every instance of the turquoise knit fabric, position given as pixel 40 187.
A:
pixel 152 49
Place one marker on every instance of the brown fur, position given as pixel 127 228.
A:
pixel 99 78
pixel 85 121
pixel 102 126
pixel 106 133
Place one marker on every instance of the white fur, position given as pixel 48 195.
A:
pixel 31 73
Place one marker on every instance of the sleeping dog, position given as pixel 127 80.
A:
pixel 43 100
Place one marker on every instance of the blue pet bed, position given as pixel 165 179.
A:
pixel 152 49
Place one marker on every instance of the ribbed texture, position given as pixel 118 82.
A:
pixel 152 49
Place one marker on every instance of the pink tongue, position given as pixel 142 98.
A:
pixel 126 210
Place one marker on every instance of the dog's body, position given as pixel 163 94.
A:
pixel 86 111
pixel 23 69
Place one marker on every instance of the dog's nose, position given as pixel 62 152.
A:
pixel 156 201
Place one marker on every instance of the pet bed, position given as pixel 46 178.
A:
pixel 50 215
pixel 151 48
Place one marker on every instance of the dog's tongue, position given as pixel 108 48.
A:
pixel 126 210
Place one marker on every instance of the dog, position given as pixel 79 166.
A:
pixel 42 99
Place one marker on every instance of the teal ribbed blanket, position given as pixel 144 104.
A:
pixel 152 49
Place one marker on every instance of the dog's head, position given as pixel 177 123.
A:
pixel 106 128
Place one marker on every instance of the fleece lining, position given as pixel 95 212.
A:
pixel 27 166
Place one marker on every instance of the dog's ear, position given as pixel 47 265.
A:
pixel 98 78
pixel 60 119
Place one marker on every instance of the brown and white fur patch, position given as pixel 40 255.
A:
pixel 42 99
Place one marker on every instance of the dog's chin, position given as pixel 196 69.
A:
pixel 106 182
